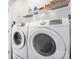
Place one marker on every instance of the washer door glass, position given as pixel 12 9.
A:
pixel 44 44
pixel 17 38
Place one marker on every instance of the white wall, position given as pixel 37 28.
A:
pixel 19 9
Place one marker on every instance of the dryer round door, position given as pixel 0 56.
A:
pixel 18 38
pixel 46 42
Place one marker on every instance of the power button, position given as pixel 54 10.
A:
pixel 42 23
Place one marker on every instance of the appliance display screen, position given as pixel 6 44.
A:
pixel 53 22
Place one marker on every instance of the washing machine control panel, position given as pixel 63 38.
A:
pixel 60 21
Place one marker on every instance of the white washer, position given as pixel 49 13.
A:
pixel 49 39
pixel 19 41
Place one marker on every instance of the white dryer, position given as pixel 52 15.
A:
pixel 19 41
pixel 49 39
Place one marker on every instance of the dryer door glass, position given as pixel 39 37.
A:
pixel 17 38
pixel 44 44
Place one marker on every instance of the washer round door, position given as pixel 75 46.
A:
pixel 18 38
pixel 46 42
